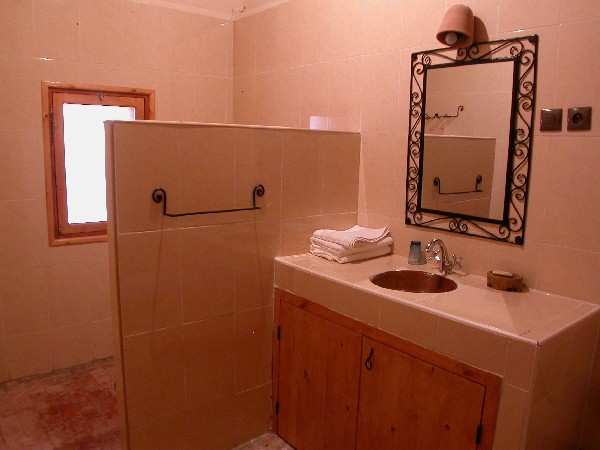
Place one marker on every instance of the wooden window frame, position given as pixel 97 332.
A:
pixel 54 95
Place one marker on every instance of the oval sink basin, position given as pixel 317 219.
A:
pixel 413 281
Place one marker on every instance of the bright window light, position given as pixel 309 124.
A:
pixel 85 158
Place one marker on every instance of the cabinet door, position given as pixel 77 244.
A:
pixel 319 369
pixel 406 403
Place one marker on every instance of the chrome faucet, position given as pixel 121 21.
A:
pixel 441 255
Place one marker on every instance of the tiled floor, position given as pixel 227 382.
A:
pixel 74 409
pixel 70 409
pixel 268 441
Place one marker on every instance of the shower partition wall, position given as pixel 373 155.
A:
pixel 192 295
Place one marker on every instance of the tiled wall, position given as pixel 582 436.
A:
pixel 195 294
pixel 54 302
pixel 348 63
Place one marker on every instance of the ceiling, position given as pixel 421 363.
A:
pixel 223 9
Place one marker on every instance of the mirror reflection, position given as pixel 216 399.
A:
pixel 465 148
pixel 471 116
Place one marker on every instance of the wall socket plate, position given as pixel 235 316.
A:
pixel 579 118
pixel 551 119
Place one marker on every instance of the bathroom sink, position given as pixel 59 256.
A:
pixel 413 281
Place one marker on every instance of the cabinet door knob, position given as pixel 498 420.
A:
pixel 369 360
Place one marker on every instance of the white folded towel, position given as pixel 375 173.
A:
pixel 340 250
pixel 353 237
pixel 358 256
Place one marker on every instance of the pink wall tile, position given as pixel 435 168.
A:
pixel 344 94
pixel 56 29
pixel 558 363
pixel 180 104
pixel 465 344
pixel 167 432
pixel 37 345
pixel 581 281
pixel 301 173
pixel 407 322
pixel 70 287
pixel 206 171
pixel 246 109
pixel 102 338
pixel 150 282
pixel 378 172
pixel 253 413
pixel 258 244
pixel 296 233
pixel 519 363
pixel 382 25
pixel 211 424
pixel 510 424
pixel 71 346
pixel 209 360
pixel 576 41
pixel 515 14
pixel 21 93
pixel 380 92
pixel 571 189
pixel 103 74
pixel 100 38
pixel 581 10
pixel 207 268
pixel 253 343
pixel 289 94
pixel 214 44
pixel 22 163
pixel 340 168
pixel 244 48
pixel 208 95
pixel 145 145
pixel 140 48
pixel 154 374
pixel 24 300
pixel 258 157
pixel 324 39
pixel 549 424
pixel 315 96
pixel 265 112
pixel 180 27
pixel 16 25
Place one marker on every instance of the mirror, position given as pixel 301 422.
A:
pixel 469 146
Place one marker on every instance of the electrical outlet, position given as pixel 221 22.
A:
pixel 579 118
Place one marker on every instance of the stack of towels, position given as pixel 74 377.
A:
pixel 354 244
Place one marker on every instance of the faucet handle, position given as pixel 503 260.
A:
pixel 433 254
pixel 457 261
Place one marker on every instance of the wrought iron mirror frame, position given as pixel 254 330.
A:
pixel 522 51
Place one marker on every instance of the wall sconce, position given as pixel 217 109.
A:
pixel 457 28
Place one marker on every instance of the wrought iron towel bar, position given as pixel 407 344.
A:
pixel 160 195
pixel 437 182
pixel 443 119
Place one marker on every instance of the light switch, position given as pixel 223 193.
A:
pixel 551 119
pixel 579 118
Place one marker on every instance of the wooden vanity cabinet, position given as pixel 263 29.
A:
pixel 341 384
pixel 406 403
pixel 318 376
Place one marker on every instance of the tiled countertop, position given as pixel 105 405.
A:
pixel 530 315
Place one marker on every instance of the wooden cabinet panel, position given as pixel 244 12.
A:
pixel 318 375
pixel 406 403
pixel 408 397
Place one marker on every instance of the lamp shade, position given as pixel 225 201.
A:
pixel 457 28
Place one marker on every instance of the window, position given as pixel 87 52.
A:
pixel 75 154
